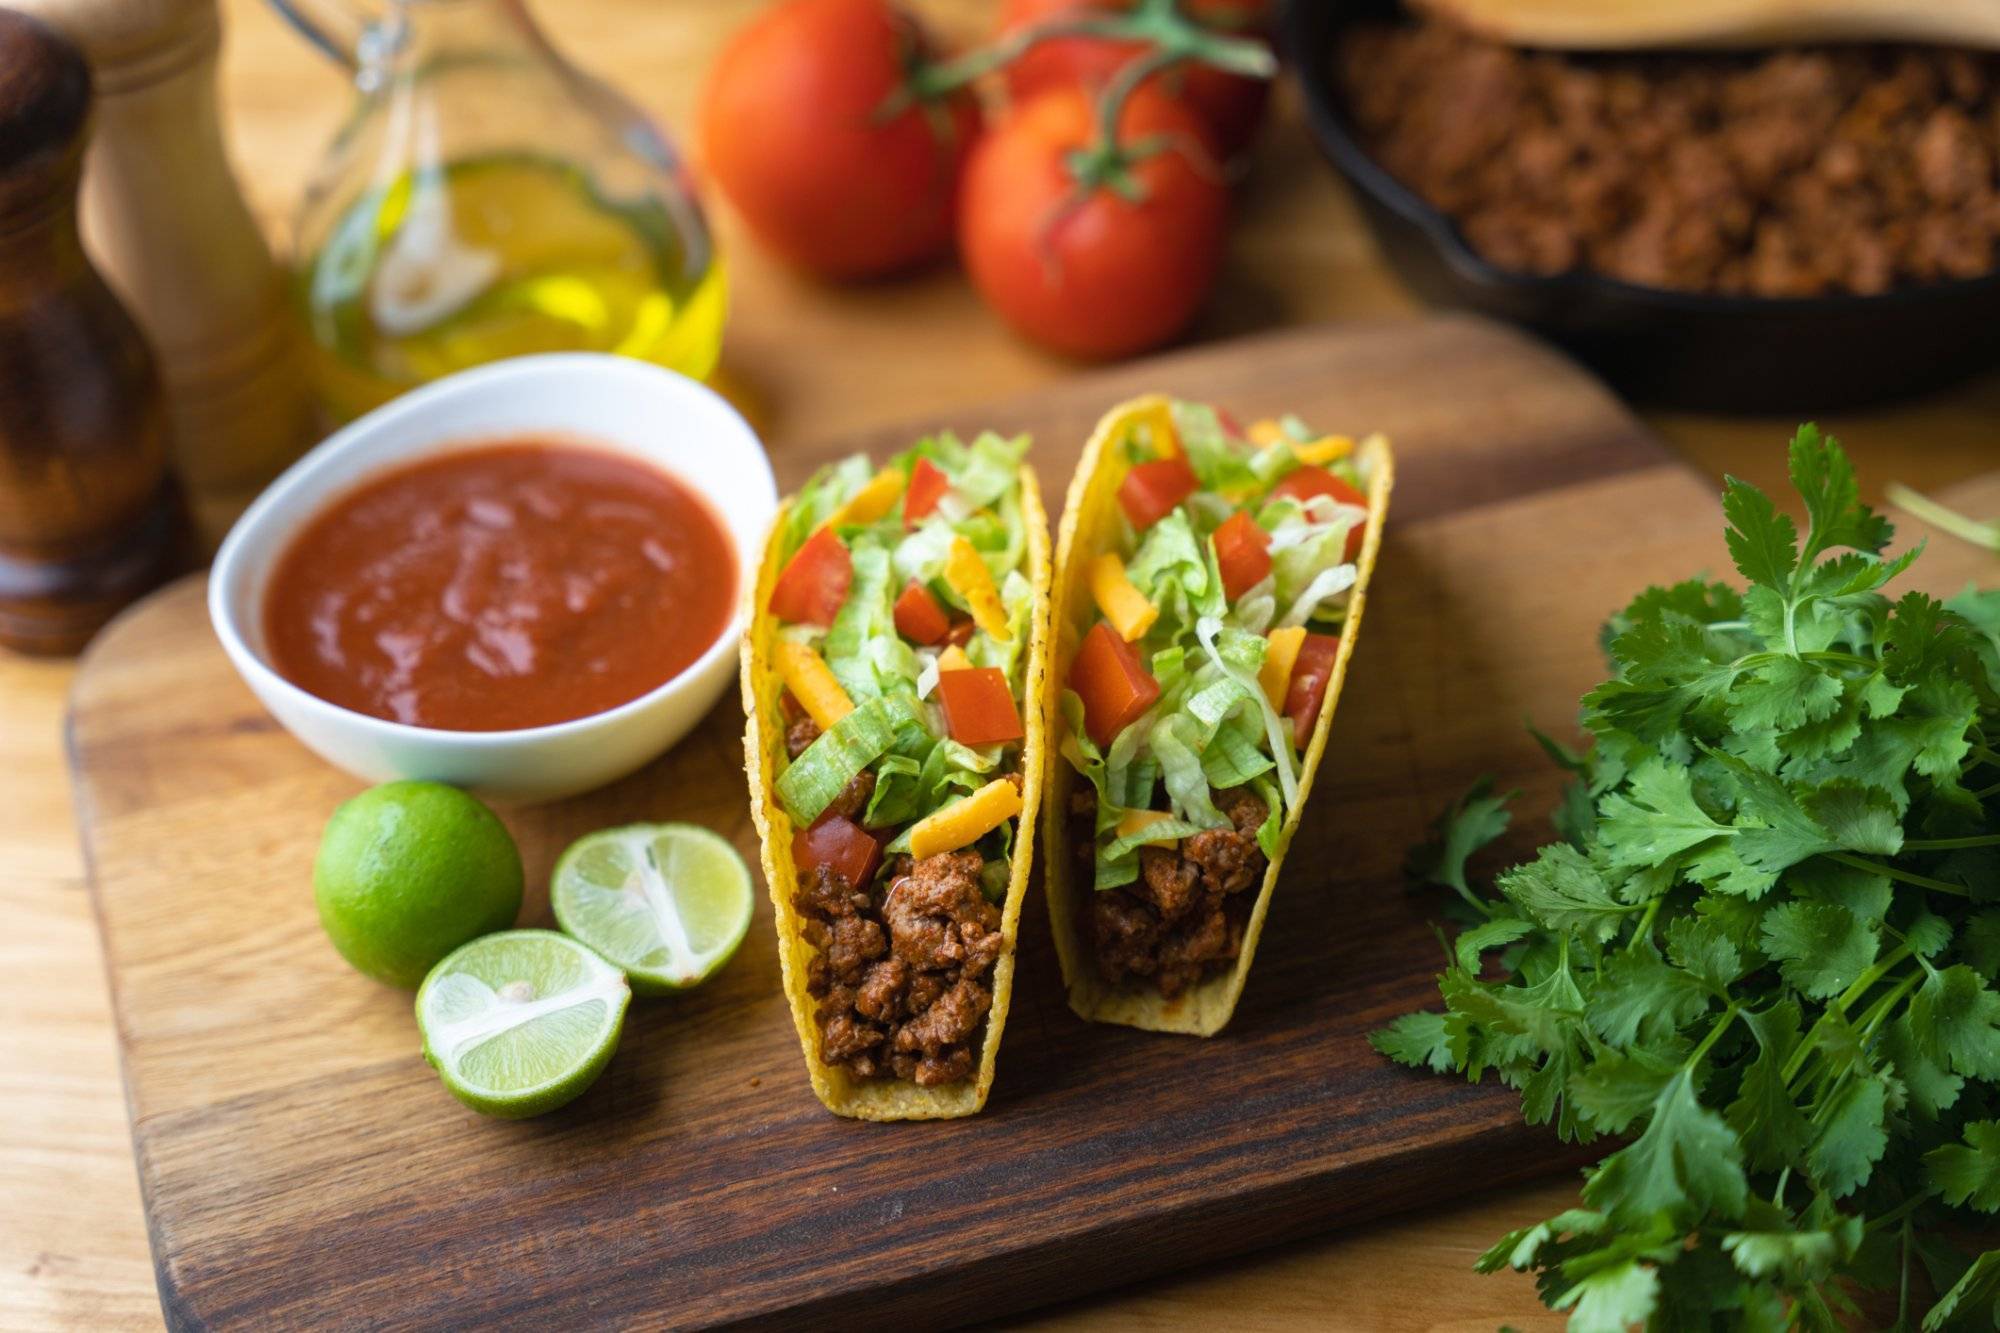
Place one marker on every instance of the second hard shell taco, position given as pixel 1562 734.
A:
pixel 1209 586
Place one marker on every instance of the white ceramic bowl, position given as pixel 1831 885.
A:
pixel 610 402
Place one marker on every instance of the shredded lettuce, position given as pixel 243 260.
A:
pixel 1239 654
pixel 1327 583
pixel 862 647
pixel 981 472
pixel 809 784
pixel 1218 465
pixel 828 489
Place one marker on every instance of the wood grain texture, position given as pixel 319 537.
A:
pixel 298 1159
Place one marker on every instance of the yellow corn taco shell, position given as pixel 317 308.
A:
pixel 1090 526
pixel 763 744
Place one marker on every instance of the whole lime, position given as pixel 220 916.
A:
pixel 407 872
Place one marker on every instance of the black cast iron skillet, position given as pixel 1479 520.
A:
pixel 1716 353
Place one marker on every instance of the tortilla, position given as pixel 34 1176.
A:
pixel 763 746
pixel 1090 526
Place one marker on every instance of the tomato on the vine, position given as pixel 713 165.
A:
pixel 812 127
pixel 1089 253
pixel 1231 104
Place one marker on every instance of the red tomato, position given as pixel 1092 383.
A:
pixel 1093 272
pixel 961 632
pixel 1309 481
pixel 1230 425
pixel 1308 688
pixel 839 844
pixel 927 486
pixel 1243 552
pixel 814 581
pixel 978 706
pixel 919 618
pixel 1231 106
pixel 792 131
pixel 1115 688
pixel 1152 489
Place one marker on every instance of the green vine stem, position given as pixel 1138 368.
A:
pixel 1168 37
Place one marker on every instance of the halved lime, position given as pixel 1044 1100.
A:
pixel 521 1022
pixel 669 903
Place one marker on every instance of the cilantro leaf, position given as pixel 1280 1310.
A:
pixel 1765 1118
pixel 1763 543
pixel 1611 1300
pixel 1958 1019
pixel 1687 1163
pixel 1421 1040
pixel 1639 998
pixel 1853 1137
pixel 1820 948
pixel 1968 1173
pixel 1974 1295
pixel 1825 480
pixel 1476 819
pixel 1561 890
pixel 1932 1088
pixel 1487 935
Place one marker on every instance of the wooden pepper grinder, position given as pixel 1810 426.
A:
pixel 166 223
pixel 88 517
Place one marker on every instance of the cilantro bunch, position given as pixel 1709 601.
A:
pixel 1764 952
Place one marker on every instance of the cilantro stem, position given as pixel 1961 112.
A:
pixel 1900 1211
pixel 1938 516
pixel 1903 1293
pixel 1984 792
pixel 1644 930
pixel 1714 1034
pixel 1879 1011
pixel 1948 844
pixel 1986 756
pixel 1838 1008
pixel 1920 881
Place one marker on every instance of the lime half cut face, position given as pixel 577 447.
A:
pixel 521 1022
pixel 669 903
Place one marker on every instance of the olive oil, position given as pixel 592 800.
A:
pixel 457 265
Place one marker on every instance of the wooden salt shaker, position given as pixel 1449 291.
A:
pixel 88 517
pixel 165 221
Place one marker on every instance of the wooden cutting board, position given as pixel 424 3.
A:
pixel 302 1165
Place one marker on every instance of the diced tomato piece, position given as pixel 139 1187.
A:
pixel 1309 481
pixel 1151 490
pixel 1242 552
pixel 978 706
pixel 919 618
pixel 814 581
pixel 839 844
pixel 927 486
pixel 1230 425
pixel 1308 688
pixel 1114 685
pixel 961 631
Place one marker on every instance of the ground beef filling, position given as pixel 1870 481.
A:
pixel 1795 172
pixel 903 976
pixel 1182 920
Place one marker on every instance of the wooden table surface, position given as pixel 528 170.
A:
pixel 72 1238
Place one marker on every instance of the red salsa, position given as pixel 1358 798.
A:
pixel 508 585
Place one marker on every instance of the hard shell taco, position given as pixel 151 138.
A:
pixel 893 679
pixel 1209 586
